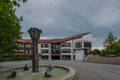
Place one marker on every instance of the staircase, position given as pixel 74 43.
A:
pixel 105 60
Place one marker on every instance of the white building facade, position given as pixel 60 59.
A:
pixel 71 48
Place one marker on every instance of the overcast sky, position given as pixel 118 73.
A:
pixel 64 18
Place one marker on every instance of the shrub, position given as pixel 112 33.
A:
pixel 96 51
pixel 104 53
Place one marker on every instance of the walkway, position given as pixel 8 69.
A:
pixel 85 71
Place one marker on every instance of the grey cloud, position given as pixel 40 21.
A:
pixel 63 18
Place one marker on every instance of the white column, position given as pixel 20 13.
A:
pixel 83 53
pixel 82 43
pixel 60 51
pixel 72 47
pixel 49 54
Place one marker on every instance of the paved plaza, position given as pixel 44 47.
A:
pixel 85 71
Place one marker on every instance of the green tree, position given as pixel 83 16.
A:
pixel 96 51
pixel 9 26
pixel 117 48
pixel 110 43
pixel 104 53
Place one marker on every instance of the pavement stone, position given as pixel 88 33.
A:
pixel 85 71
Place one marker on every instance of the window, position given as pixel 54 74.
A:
pixel 66 50
pixel 28 45
pixel 64 44
pixel 44 51
pixel 87 44
pixel 44 45
pixel 55 46
pixel 78 44
pixel 68 44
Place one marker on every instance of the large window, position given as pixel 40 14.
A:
pixel 78 44
pixel 44 57
pixel 87 44
pixel 66 50
pixel 55 46
pixel 28 45
pixel 66 57
pixel 65 44
pixel 44 45
pixel 44 51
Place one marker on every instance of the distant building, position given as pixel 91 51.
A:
pixel 70 48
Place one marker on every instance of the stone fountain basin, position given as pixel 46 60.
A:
pixel 68 73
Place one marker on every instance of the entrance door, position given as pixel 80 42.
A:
pixel 79 54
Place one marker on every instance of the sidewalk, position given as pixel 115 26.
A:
pixel 85 71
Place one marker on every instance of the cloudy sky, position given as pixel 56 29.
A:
pixel 64 18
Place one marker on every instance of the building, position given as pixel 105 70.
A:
pixel 70 48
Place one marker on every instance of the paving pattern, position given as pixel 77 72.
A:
pixel 85 71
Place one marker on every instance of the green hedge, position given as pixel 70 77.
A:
pixel 15 58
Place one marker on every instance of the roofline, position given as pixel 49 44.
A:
pixel 55 40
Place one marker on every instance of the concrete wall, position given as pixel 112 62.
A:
pixel 87 37
pixel 79 54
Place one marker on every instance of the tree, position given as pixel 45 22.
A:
pixel 9 26
pixel 96 51
pixel 110 43
pixel 117 48
pixel 104 53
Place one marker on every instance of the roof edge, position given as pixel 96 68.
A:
pixel 55 40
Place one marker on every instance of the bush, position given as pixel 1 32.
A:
pixel 117 52
pixel 1 60
pixel 17 58
pixel 103 53
pixel 96 51
pixel 25 58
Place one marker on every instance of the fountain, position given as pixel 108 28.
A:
pixel 12 74
pixel 46 72
pixel 35 34
pixel 25 68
